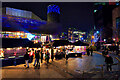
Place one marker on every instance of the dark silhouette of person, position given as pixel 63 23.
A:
pixel 41 55
pixel 26 57
pixel 52 57
pixel 109 62
pixel 106 52
pixel 47 56
pixel 117 50
pixel 88 53
pixel 91 50
pixel 37 56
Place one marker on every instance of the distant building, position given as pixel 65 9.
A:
pixel 103 19
pixel 70 32
pixel 116 23
pixel 78 35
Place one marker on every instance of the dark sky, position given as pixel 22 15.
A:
pixel 73 14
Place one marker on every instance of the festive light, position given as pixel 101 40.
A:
pixel 97 32
pixel 30 36
pixel 92 37
pixel 53 8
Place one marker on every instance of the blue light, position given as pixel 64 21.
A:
pixel 30 36
pixel 117 3
pixel 97 32
pixel 82 38
pixel 53 8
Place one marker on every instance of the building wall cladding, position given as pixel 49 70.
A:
pixel 115 14
pixel 53 17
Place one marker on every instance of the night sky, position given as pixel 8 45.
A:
pixel 73 14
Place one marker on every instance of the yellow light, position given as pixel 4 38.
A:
pixel 20 47
pixel 27 47
pixel 92 37
pixel 8 48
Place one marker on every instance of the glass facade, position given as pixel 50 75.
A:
pixel 118 26
pixel 18 12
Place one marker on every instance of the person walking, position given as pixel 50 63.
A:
pixel 106 52
pixel 26 57
pixel 41 55
pixel 31 55
pixel 88 53
pixel 47 53
pixel 109 62
pixel 37 57
pixel 56 55
pixel 52 56
pixel 117 50
pixel 91 50
pixel 67 56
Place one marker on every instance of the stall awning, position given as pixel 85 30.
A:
pixel 80 43
pixel 61 42
pixel 11 42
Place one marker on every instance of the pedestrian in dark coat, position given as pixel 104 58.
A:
pixel 117 50
pixel 26 57
pixel 31 55
pixel 106 52
pixel 91 50
pixel 109 62
pixel 88 53
pixel 47 56
pixel 37 56
pixel 52 56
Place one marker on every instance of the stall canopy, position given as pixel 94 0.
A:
pixel 10 43
pixel 80 43
pixel 61 42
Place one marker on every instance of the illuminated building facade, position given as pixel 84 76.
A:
pixel 116 23
pixel 53 13
pixel 103 19
pixel 78 35
pixel 70 36
pixel 22 24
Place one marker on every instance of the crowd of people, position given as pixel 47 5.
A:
pixel 38 55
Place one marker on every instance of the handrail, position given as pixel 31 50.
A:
pixel 117 59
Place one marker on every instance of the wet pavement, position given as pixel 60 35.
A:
pixel 85 67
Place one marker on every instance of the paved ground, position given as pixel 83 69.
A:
pixel 19 71
pixel 84 67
